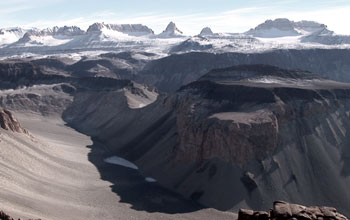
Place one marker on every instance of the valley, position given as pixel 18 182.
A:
pixel 117 122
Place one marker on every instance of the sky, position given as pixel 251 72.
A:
pixel 190 16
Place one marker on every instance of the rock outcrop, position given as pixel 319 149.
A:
pixel 9 122
pixel 4 216
pixel 282 211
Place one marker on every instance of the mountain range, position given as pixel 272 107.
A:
pixel 272 34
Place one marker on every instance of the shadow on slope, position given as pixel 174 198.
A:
pixel 132 188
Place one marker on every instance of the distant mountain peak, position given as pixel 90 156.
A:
pixel 206 31
pixel 282 27
pixel 133 29
pixel 171 31
pixel 171 28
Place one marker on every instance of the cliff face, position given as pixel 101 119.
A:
pixel 239 137
pixel 284 137
pixel 9 122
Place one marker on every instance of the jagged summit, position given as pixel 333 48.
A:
pixel 282 27
pixel 206 31
pixel 132 29
pixel 171 31
pixel 68 30
pixel 11 35
pixel 55 31
pixel 171 28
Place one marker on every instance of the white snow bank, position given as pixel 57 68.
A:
pixel 121 162
pixel 150 180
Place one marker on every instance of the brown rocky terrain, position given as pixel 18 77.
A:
pixel 9 122
pixel 283 211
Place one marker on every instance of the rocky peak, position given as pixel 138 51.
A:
pixel 279 23
pixel 206 31
pixel 67 31
pixel 55 31
pixel 172 28
pixel 16 30
pixel 309 25
pixel 96 27
pixel 11 35
pixel 9 122
pixel 171 31
pixel 133 29
pixel 284 27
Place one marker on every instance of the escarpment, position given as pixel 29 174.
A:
pixel 239 137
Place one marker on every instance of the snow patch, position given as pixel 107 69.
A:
pixel 150 180
pixel 121 162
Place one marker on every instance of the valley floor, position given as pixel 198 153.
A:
pixel 49 176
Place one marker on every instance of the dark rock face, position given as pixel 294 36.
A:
pixel 9 122
pixel 283 211
pixel 248 181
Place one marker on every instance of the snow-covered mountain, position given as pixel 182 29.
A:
pixel 11 35
pixel 171 31
pixel 206 32
pixel 50 36
pixel 283 27
pixel 129 29
pixel 326 37
pixel 101 37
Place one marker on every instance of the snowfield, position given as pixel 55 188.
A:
pixel 101 38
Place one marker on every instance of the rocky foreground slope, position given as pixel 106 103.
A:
pixel 283 210
pixel 239 137
pixel 51 175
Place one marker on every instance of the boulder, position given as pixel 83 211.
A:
pixel 9 122
pixel 286 211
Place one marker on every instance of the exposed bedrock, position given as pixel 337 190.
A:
pixel 9 122
pixel 236 142
pixel 282 211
